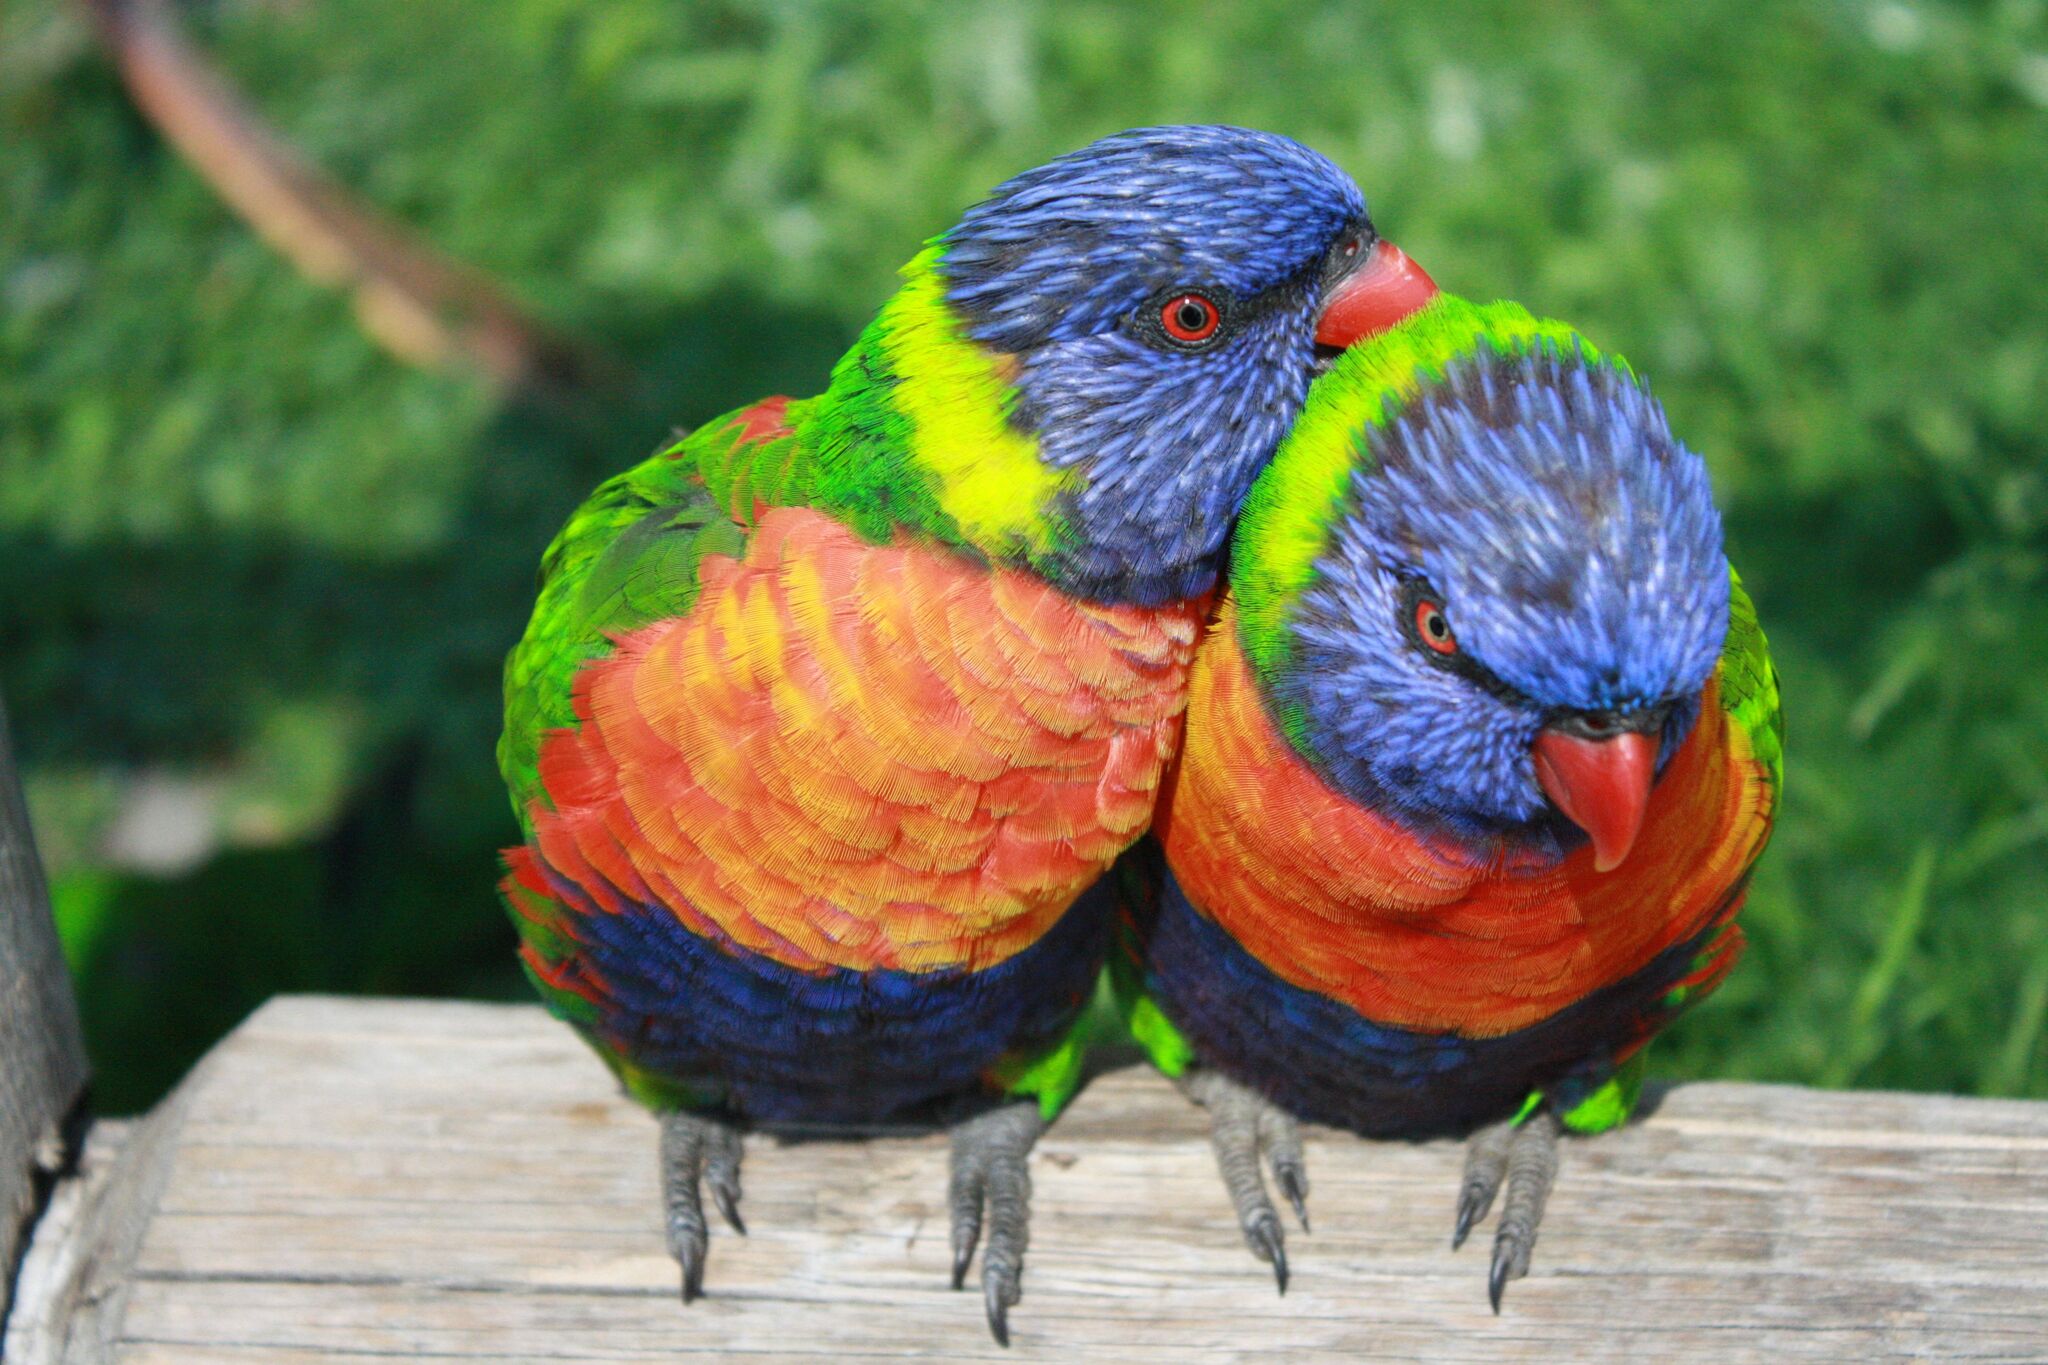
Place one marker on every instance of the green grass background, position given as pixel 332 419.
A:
pixel 241 548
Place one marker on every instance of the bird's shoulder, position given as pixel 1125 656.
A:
pixel 634 553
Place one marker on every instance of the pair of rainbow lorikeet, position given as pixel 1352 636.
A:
pixel 1163 496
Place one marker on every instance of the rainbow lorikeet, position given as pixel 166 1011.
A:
pixel 1480 751
pixel 828 716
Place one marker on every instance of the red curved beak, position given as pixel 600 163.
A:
pixel 1385 288
pixel 1601 785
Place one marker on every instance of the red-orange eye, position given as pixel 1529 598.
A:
pixel 1190 319
pixel 1432 629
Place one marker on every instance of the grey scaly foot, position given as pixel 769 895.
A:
pixel 990 1176
pixel 1486 1161
pixel 697 1150
pixel 1242 1124
pixel 1525 1157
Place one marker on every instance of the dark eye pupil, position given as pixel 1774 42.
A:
pixel 1435 625
pixel 1193 317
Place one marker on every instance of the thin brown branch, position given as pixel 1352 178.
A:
pixel 421 306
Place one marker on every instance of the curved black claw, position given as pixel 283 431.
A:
pixel 990 1177
pixel 1268 1245
pixel 729 1208
pixel 1497 1277
pixel 692 1261
pixel 1294 1184
pixel 963 1249
pixel 1281 1139
pixel 697 1150
pixel 1473 1202
pixel 722 1175
pixel 1242 1124
pixel 998 1306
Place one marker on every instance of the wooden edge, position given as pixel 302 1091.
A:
pixel 47 1289
pixel 344 1178
pixel 42 1048
pixel 74 1282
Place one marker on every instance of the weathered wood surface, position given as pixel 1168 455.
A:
pixel 60 1296
pixel 353 1179
pixel 42 1053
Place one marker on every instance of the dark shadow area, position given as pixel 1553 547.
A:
pixel 1654 1094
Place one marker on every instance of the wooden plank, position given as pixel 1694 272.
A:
pixel 350 1180
pixel 42 1051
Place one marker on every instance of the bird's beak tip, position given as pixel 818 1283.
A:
pixel 1383 290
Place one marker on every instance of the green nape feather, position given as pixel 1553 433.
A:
pixel 1749 682
pixel 916 432
pixel 1290 511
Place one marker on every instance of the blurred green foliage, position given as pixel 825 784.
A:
pixel 244 551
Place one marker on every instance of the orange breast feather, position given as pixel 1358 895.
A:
pixel 1421 935
pixel 861 756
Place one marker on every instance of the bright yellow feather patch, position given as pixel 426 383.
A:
pixel 991 481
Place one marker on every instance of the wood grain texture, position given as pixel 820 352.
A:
pixel 350 1180
pixel 42 1052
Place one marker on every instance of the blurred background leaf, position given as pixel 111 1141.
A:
pixel 257 578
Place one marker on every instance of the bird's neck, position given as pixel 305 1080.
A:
pixel 923 430
pixel 915 432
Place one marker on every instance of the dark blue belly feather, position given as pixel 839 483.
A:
pixel 781 1045
pixel 1320 1059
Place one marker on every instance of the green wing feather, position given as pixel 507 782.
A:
pixel 1749 682
pixel 631 555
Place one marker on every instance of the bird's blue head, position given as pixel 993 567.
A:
pixel 1484 588
pixel 1097 360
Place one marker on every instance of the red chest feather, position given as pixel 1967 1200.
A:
pixel 862 756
